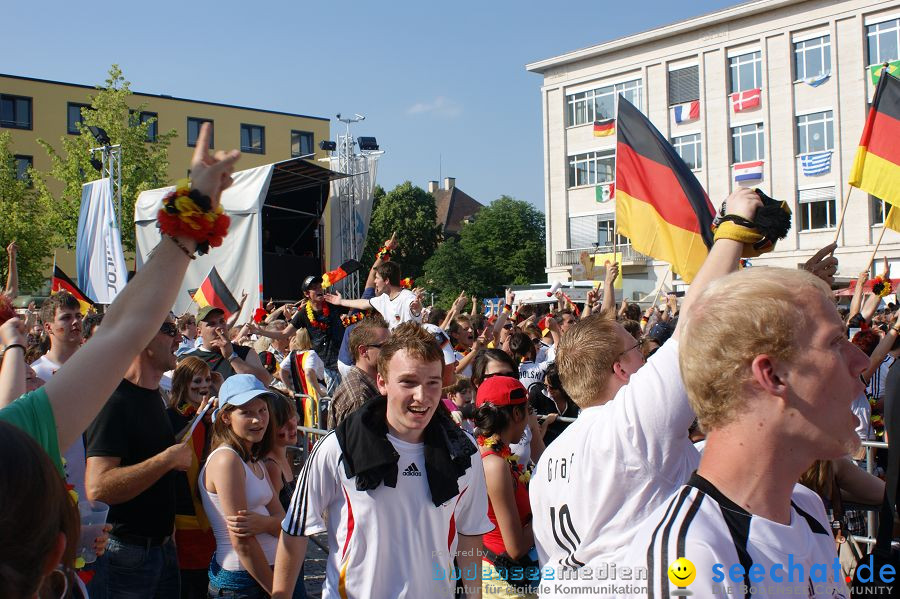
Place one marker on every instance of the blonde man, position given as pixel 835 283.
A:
pixel 772 386
pixel 629 448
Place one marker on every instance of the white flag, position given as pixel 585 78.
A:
pixel 98 249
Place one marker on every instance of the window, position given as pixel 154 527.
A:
pixel 812 57
pixel 153 127
pixel 302 143
pixel 592 168
pixel 817 209
pixel 883 42
pixel 746 72
pixel 597 104
pixel 605 225
pixel 15 112
pixel 815 132
pixel 684 85
pixel 688 147
pixel 747 143
pixel 23 163
pixel 193 131
pixel 253 139
pixel 879 210
pixel 74 115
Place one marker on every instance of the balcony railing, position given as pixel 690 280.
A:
pixel 630 257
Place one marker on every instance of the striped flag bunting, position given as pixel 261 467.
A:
pixel 604 128
pixel 684 113
pixel 817 80
pixel 748 171
pixel 817 163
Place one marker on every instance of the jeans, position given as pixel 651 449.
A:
pixel 137 572
pixel 239 584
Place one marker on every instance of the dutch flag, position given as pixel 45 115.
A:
pixel 748 171
pixel 689 111
pixel 818 163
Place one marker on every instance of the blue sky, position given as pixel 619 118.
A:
pixel 439 83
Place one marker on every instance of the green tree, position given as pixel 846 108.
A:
pixel 410 211
pixel 144 164
pixel 502 246
pixel 28 218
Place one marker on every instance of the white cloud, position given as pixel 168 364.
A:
pixel 440 106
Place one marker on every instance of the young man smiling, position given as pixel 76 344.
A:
pixel 393 484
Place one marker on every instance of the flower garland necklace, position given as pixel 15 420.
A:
pixel 494 445
pixel 314 320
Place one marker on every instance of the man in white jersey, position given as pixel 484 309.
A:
pixel 399 490
pixel 629 448
pixel 61 315
pixel 775 401
pixel 396 304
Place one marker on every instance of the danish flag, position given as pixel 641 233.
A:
pixel 741 101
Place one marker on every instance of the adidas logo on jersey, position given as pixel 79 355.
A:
pixel 411 470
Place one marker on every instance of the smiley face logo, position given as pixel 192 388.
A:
pixel 682 572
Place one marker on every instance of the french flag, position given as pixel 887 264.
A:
pixel 748 171
pixel 742 101
pixel 689 111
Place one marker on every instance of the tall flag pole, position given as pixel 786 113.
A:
pixel 660 205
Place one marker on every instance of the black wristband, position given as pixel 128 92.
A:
pixel 12 345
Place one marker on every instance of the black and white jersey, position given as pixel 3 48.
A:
pixel 737 554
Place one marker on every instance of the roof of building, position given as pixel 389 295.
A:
pixel 710 19
pixel 453 207
pixel 168 97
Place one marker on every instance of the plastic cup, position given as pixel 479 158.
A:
pixel 93 519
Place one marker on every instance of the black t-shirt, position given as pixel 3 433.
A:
pixel 133 426
pixel 327 342
pixel 546 405
pixel 216 361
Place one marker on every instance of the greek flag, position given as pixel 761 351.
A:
pixel 818 163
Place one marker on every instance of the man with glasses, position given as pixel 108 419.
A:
pixel 629 449
pixel 132 457
pixel 358 386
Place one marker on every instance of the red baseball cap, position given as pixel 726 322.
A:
pixel 501 391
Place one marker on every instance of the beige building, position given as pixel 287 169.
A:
pixel 37 108
pixel 780 47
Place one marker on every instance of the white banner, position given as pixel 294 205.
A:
pixel 98 249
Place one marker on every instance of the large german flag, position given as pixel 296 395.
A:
pixel 61 282
pixel 660 205
pixel 214 292
pixel 876 168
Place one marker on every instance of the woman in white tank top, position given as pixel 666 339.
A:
pixel 243 510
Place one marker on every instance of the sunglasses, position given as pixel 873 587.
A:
pixel 169 328
pixel 487 376
pixel 635 346
pixel 508 326
pixel 376 345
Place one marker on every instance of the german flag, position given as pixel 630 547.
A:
pixel 341 272
pixel 604 127
pixel 214 292
pixel 876 168
pixel 61 282
pixel 660 205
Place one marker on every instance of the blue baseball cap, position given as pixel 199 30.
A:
pixel 239 389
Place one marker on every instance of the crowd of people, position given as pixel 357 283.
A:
pixel 513 452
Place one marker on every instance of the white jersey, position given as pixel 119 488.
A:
pixel 737 554
pixel 610 469
pixel 523 447
pixel 388 542
pixel 875 387
pixel 74 455
pixel 397 310
pixel 532 372
pixel 863 412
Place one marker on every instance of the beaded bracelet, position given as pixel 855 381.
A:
pixel 188 213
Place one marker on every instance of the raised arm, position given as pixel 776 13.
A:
pixel 237 313
pixel 608 305
pixel 79 389
pixel 12 362
pixel 12 275
pixel 458 304
pixel 856 300
pixel 335 299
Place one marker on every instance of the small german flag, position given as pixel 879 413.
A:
pixel 341 272
pixel 604 128
pixel 876 169
pixel 61 282
pixel 214 292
